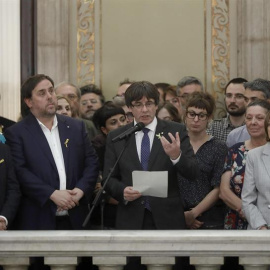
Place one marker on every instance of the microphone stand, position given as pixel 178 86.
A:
pixel 102 190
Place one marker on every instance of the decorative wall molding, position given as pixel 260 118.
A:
pixel 217 46
pixel 85 42
pixel 220 48
pixel 253 24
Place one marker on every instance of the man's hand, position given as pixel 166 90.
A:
pixel 3 226
pixel 171 149
pixel 130 194
pixel 77 194
pixel 63 199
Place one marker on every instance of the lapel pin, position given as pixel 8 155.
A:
pixel 2 160
pixel 66 142
pixel 159 135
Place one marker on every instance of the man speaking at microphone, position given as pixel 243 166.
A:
pixel 157 146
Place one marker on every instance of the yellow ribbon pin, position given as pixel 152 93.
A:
pixel 66 142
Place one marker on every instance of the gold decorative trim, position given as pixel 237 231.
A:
pixel 85 42
pixel 220 52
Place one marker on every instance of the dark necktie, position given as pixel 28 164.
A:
pixel 145 153
pixel 145 149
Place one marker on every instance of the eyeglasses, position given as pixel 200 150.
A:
pixel 85 102
pixel 192 115
pixel 148 105
pixel 236 96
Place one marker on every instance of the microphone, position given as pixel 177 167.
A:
pixel 139 126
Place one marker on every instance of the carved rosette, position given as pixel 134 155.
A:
pixel 220 52
pixel 85 42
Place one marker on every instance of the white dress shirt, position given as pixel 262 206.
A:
pixel 54 142
pixel 152 130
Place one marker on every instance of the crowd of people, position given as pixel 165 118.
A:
pixel 205 173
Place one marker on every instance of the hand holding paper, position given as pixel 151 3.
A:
pixel 131 194
pixel 151 183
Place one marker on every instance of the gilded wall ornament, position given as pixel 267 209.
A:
pixel 85 42
pixel 220 52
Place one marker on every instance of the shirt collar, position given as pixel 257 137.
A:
pixel 152 126
pixel 228 123
pixel 55 123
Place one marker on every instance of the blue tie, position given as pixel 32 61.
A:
pixel 145 153
pixel 145 149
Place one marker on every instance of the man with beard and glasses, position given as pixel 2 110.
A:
pixel 257 89
pixel 235 102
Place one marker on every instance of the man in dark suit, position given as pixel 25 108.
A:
pixel 10 190
pixel 170 151
pixel 55 163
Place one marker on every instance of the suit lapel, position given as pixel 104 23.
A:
pixel 132 151
pixel 38 136
pixel 157 146
pixel 65 139
pixel 265 157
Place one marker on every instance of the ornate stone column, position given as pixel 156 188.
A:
pixel 253 39
pixel 86 41
pixel 10 80
pixel 217 50
pixel 53 39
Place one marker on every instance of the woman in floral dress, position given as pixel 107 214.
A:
pixel 234 171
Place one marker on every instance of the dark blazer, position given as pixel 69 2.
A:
pixel 38 175
pixel 168 212
pixel 9 187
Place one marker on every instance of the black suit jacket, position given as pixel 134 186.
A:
pixel 167 212
pixel 9 187
pixel 38 175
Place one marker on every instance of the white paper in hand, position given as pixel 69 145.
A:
pixel 151 183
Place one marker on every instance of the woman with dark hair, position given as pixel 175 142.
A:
pixel 235 166
pixel 107 118
pixel 203 210
pixel 168 112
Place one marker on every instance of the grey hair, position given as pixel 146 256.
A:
pixel 259 85
pixel 187 80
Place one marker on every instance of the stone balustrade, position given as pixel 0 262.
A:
pixel 157 249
